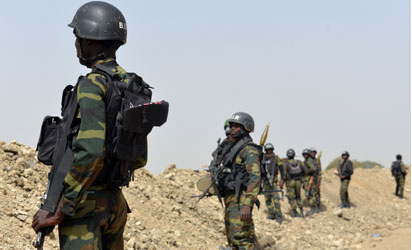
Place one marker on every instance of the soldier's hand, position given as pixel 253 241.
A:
pixel 245 214
pixel 44 218
pixel 281 184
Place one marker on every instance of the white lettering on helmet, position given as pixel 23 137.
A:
pixel 122 25
pixel 235 117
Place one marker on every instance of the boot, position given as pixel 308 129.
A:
pixel 342 205
pixel 312 211
pixel 225 248
pixel 400 196
pixel 271 217
pixel 295 213
pixel 347 204
pixel 301 212
pixel 279 218
pixel 318 209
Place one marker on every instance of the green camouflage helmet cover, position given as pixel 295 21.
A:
pixel 99 21
pixel 243 119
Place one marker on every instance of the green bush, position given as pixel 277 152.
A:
pixel 356 164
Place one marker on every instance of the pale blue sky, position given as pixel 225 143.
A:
pixel 334 75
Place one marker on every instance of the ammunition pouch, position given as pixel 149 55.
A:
pixel 46 145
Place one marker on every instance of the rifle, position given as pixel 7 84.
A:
pixel 215 169
pixel 309 191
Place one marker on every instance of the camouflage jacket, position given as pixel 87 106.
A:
pixel 249 158
pixel 89 147
pixel 311 167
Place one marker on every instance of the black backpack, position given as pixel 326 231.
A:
pixel 130 116
pixel 294 169
pixel 396 168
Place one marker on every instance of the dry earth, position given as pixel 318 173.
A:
pixel 166 217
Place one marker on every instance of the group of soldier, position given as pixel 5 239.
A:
pixel 92 214
pixel 246 164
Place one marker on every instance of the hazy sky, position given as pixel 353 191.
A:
pixel 334 75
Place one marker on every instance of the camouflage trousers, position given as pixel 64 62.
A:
pixel 293 193
pixel 400 183
pixel 305 183
pixel 314 197
pixel 240 234
pixel 344 195
pixel 98 222
pixel 272 198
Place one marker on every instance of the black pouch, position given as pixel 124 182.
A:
pixel 48 139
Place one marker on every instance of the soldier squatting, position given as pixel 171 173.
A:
pixel 101 139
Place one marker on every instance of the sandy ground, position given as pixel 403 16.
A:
pixel 166 217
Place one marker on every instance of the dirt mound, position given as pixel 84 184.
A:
pixel 166 217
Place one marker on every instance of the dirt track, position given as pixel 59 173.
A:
pixel 165 217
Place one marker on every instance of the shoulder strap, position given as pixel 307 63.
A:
pixel 230 156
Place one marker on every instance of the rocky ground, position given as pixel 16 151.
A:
pixel 166 217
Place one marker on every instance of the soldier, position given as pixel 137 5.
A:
pixel 312 171
pixel 90 214
pixel 293 177
pixel 316 189
pixel 399 172
pixel 345 171
pixel 241 183
pixel 272 165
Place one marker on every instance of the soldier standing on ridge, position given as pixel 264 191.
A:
pixel 293 177
pixel 312 170
pixel 240 183
pixel 399 172
pixel 272 165
pixel 345 171
pixel 316 189
pixel 92 215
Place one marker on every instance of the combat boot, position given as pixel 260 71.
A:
pixel 271 217
pixel 342 205
pixel 225 248
pixel 301 212
pixel 312 211
pixel 317 209
pixel 295 213
pixel 347 204
pixel 279 218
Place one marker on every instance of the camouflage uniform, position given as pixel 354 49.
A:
pixel 312 170
pixel 316 189
pixel 293 184
pixel 95 214
pixel 241 234
pixel 346 170
pixel 272 198
pixel 400 179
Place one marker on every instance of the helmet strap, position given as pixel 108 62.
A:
pixel 88 61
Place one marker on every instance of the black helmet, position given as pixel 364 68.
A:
pixel 306 152
pixel 345 153
pixel 243 119
pixel 99 21
pixel 290 153
pixel 313 150
pixel 269 146
pixel 398 157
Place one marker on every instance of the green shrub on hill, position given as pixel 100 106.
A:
pixel 356 164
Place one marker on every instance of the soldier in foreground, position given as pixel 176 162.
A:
pixel 92 212
pixel 399 172
pixel 241 183
pixel 345 171
pixel 312 172
pixel 272 165
pixel 293 178
pixel 316 189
